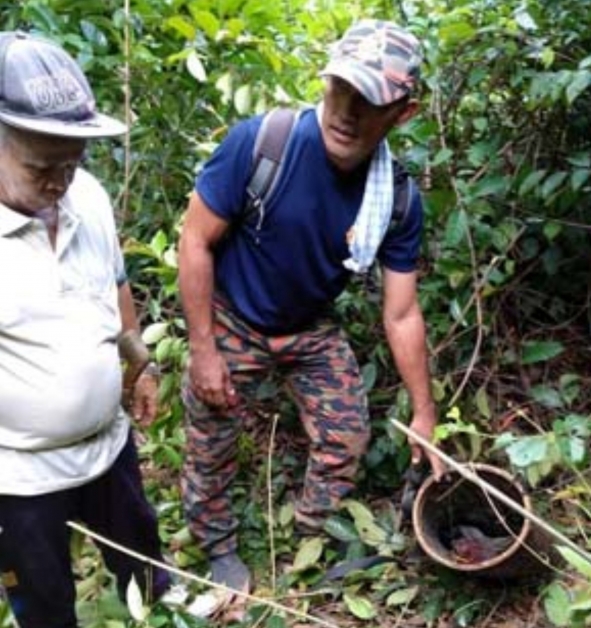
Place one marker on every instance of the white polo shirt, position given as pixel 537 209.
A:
pixel 61 424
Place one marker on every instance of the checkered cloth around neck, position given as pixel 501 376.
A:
pixel 374 215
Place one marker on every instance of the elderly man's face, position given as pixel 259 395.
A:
pixel 36 170
pixel 352 127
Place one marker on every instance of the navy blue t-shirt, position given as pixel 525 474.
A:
pixel 284 273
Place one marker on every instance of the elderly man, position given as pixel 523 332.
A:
pixel 66 319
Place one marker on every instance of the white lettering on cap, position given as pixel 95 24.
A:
pixel 57 93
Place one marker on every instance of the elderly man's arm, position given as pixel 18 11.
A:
pixel 141 378
pixel 405 331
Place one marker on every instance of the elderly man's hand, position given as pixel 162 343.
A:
pixel 143 402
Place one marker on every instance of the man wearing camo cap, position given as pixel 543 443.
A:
pixel 66 319
pixel 259 293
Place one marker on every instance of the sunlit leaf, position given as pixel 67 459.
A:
pixel 308 554
pixel 527 450
pixel 359 606
pixel 182 25
pixel 242 99
pixel 581 564
pixel 154 333
pixel 224 85
pixel 557 605
pixel 205 20
pixel 135 603
pixel 455 33
pixel 524 19
pixel 286 514
pixel 402 597
pixel 196 67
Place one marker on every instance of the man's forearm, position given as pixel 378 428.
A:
pixel 407 341
pixel 196 289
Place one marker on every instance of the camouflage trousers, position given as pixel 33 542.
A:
pixel 320 371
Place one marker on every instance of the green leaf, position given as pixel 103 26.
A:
pixel 442 156
pixel 581 600
pixel 181 25
pixel 369 374
pixel 482 402
pixel 456 227
pixel 402 597
pixel 360 513
pixel 552 183
pixel 531 181
pixel 557 605
pixel 159 243
pixel 286 514
pixel 527 450
pixel 578 178
pixel 341 529
pixel 456 33
pixel 575 560
pixel 154 333
pixel 490 186
pixel 540 351
pixel 359 606
pixel 547 396
pixel 308 554
pixel 275 622
pixel 205 20
pixel 580 82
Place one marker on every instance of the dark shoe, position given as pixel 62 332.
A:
pixel 231 571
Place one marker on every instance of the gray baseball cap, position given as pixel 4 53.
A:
pixel 42 89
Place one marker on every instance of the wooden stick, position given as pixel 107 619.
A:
pixel 189 576
pixel 492 490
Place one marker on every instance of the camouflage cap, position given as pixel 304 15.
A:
pixel 43 89
pixel 380 59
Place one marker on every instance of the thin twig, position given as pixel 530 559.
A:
pixel 271 520
pixel 127 96
pixel 204 581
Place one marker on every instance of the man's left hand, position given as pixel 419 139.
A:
pixel 143 404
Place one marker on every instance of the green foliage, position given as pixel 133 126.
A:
pixel 538 455
pixel 502 153
pixel 570 606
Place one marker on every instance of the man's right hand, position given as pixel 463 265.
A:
pixel 210 378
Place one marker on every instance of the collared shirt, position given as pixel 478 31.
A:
pixel 60 380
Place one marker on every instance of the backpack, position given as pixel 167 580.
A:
pixel 272 138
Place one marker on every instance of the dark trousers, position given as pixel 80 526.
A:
pixel 35 542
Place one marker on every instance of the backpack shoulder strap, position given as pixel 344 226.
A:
pixel 268 153
pixel 402 195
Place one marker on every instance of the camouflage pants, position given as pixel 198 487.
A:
pixel 320 371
